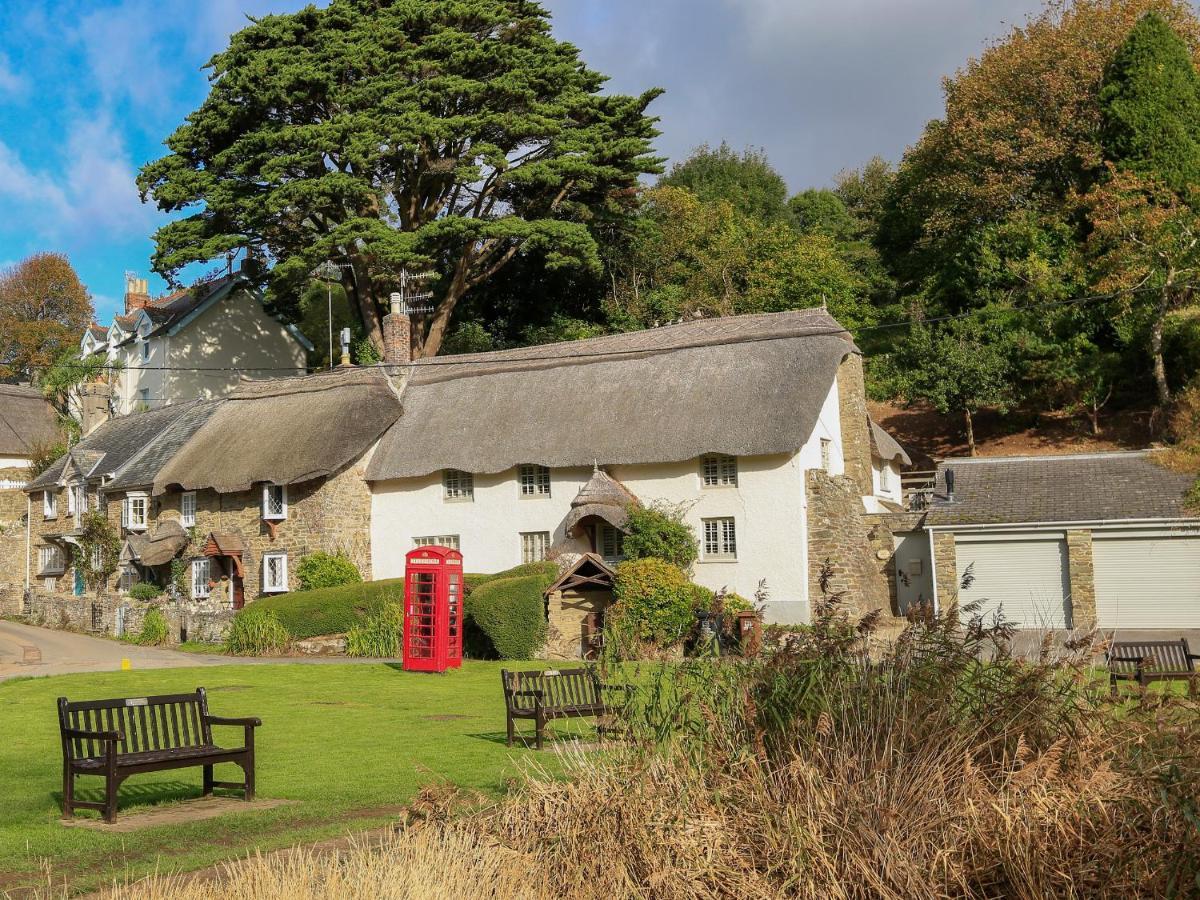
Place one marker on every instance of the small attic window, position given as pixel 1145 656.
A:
pixel 274 502
pixel 457 485
pixel 145 349
pixel 535 481
pixel 718 470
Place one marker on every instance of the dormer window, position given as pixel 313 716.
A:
pixel 718 470
pixel 134 512
pixel 49 505
pixel 457 486
pixel 274 502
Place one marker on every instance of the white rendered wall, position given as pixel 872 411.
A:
pixel 893 491
pixel 14 462
pixel 768 504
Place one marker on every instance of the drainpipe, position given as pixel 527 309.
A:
pixel 28 539
pixel 937 606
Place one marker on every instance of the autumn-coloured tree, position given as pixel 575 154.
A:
pixel 44 308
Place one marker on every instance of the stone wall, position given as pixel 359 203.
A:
pixel 1082 576
pixel 945 562
pixel 115 615
pixel 12 550
pixel 856 432
pixel 839 533
pixel 881 531
pixel 567 612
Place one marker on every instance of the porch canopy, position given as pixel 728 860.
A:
pixel 227 544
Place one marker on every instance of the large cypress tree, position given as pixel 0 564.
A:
pixel 1150 106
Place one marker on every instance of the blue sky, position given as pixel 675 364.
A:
pixel 90 88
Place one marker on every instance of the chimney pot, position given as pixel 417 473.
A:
pixel 397 302
pixel 397 334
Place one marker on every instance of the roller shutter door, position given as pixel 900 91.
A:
pixel 1147 582
pixel 1024 578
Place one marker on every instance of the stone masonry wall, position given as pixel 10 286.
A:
pixel 838 533
pixel 856 433
pixel 1082 576
pixel 567 612
pixel 881 531
pixel 945 562
pixel 12 550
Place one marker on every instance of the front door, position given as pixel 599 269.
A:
pixel 79 581
pixel 239 590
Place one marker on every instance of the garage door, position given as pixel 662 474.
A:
pixel 1147 582
pixel 1025 579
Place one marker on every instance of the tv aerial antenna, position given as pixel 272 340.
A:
pixel 414 301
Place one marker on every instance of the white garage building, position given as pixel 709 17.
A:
pixel 1067 541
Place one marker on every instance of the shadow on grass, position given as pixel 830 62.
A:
pixel 133 794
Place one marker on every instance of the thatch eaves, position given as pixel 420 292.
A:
pixel 27 420
pixel 887 447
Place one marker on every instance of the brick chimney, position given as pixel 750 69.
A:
pixel 94 406
pixel 137 292
pixel 397 335
pixel 856 434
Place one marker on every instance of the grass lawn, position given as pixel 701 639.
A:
pixel 350 743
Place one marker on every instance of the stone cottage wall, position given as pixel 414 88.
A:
pixel 12 550
pixel 567 613
pixel 856 433
pixel 838 532
pixel 881 531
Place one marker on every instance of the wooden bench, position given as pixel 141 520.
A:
pixel 126 736
pixel 555 694
pixel 1147 661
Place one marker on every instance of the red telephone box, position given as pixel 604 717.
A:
pixel 432 609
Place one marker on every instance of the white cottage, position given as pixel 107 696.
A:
pixel 514 455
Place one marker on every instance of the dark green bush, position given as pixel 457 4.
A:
pixel 154 629
pixel 659 532
pixel 144 590
pixel 333 610
pixel 255 631
pixel 506 616
pixel 656 602
pixel 326 570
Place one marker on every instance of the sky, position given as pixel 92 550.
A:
pixel 89 89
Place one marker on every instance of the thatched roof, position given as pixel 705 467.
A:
pixel 742 385
pixel 887 447
pixel 603 497
pixel 26 420
pixel 285 430
pixel 158 547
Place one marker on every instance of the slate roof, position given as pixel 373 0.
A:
pixel 1045 489
pixel 741 385
pixel 142 469
pixel 114 444
pixel 26 420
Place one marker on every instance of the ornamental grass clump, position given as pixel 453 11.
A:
pixel 379 637
pixel 154 631
pixel 256 632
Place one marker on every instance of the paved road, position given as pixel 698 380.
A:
pixel 28 650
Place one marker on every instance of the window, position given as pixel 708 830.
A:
pixel 275 578
pixel 718 471
pixel 133 512
pixel 78 502
pixel 274 502
pixel 610 541
pixel 49 505
pixel 71 495
pixel 129 577
pixel 535 481
pixel 144 397
pixel 187 508
pixel 145 350
pixel 885 477
pixel 201 576
pixel 458 485
pixel 534 545
pixel 97 559
pixel 827 455
pixel 720 538
pixel 51 559
pixel 437 540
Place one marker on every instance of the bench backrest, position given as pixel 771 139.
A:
pixel 166 722
pixel 1160 656
pixel 560 688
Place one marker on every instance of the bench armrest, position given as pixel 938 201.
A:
pixel 1137 660
pixel 248 721
pixel 77 734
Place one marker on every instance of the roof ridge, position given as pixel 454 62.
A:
pixel 1099 454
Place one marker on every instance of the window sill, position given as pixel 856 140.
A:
pixel 718 487
pixel 718 560
pixel 458 499
pixel 136 527
pixel 274 518
pixel 275 590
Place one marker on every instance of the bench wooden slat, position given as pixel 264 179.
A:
pixel 1147 661
pixel 552 694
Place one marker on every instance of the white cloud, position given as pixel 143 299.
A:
pixel 10 82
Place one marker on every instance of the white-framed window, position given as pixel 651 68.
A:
pixel 718 470
pixel 51 559
pixel 885 477
pixel 78 502
pixel 535 481
pixel 49 505
pixel 274 573
pixel 201 576
pixel 534 545
pixel 71 497
pixel 187 508
pixel 145 350
pixel 438 540
pixel 274 502
pixel 827 455
pixel 133 512
pixel 97 559
pixel 720 538
pixel 49 583
pixel 129 577
pixel 610 541
pixel 457 485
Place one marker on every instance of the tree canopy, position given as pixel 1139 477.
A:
pixel 450 134
pixel 44 308
pixel 746 181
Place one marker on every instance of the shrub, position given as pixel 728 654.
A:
pixel 256 632
pixel 659 532
pixel 154 629
pixel 333 610
pixel 144 590
pixel 380 635
pixel 510 615
pixel 325 570
pixel 656 602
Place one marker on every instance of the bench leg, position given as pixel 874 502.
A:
pixel 541 730
pixel 208 781
pixel 248 771
pixel 511 735
pixel 110 799
pixel 68 793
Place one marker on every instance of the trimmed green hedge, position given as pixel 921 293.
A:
pixel 511 614
pixel 333 610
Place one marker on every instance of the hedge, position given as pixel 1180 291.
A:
pixel 333 610
pixel 511 614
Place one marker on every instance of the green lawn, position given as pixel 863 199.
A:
pixel 349 742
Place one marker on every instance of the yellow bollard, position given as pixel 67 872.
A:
pixel 125 664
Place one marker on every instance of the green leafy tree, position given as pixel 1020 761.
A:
pixel 958 368
pixel 746 181
pixel 61 383
pixel 386 134
pixel 1150 106
pixel 821 211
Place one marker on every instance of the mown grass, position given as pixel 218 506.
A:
pixel 349 743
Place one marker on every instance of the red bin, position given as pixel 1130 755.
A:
pixel 432 609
